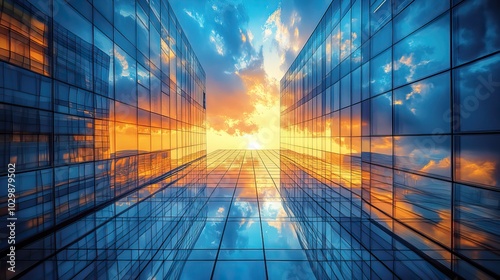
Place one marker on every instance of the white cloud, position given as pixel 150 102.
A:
pixel 197 17
pixel 218 42
pixel 285 36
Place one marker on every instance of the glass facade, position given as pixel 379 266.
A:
pixel 389 166
pixel 101 108
pixel 389 140
pixel 247 234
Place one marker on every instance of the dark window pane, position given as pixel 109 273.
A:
pixel 477 224
pixel 475 30
pixel 381 114
pixel 477 96
pixel 417 56
pixel 381 73
pixel 424 154
pixel 125 18
pixel 478 159
pixel 416 15
pixel 423 107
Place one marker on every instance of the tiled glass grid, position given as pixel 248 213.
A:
pixel 98 99
pixel 248 234
pixel 221 218
pixel 397 102
pixel 147 233
pixel 343 241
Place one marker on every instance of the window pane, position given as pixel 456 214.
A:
pixel 381 150
pixel 416 56
pixel 345 36
pixel 423 107
pixel 381 73
pixel 125 18
pixel 72 21
pixel 381 13
pixel 125 77
pixel 103 66
pixel 475 30
pixel 381 117
pixel 477 224
pixel 478 159
pixel 416 15
pixel 424 204
pixel 424 154
pixel 475 89
pixel 345 91
pixel 382 40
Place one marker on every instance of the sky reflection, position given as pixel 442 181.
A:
pixel 246 222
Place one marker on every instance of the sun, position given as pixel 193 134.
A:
pixel 254 145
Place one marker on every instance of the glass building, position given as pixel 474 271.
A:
pixel 102 106
pixel 389 140
pixel 389 165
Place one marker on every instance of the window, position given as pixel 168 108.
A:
pixel 381 115
pixel 125 18
pixel 477 220
pixel 477 159
pixel 477 99
pixel 417 14
pixel 423 107
pixel 424 204
pixel 125 77
pixel 417 57
pixel 381 73
pixel 475 30
pixel 424 154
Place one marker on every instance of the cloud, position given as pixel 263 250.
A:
pixel 242 115
pixel 242 87
pixel 229 25
pixel 477 170
pixel 218 42
pixel 197 17
pixel 285 39
pixel 478 30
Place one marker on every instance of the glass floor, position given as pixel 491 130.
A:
pixel 235 214
pixel 248 233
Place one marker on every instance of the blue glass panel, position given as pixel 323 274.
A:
pixel 423 107
pixel 381 73
pixel 417 14
pixel 239 270
pixel 477 220
pixel 424 154
pixel 125 77
pixel 475 30
pixel 289 270
pixel 477 159
pixel 417 57
pixel 381 40
pixel 476 96
pixel 125 18
pixel 381 115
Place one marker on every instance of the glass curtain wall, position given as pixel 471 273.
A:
pixel 389 132
pixel 101 102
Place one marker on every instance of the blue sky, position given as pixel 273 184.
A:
pixel 245 47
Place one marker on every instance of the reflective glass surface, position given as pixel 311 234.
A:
pixel 417 159
pixel 389 165
pixel 98 128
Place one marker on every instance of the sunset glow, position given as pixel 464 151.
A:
pixel 245 49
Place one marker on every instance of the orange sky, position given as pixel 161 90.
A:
pixel 245 48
